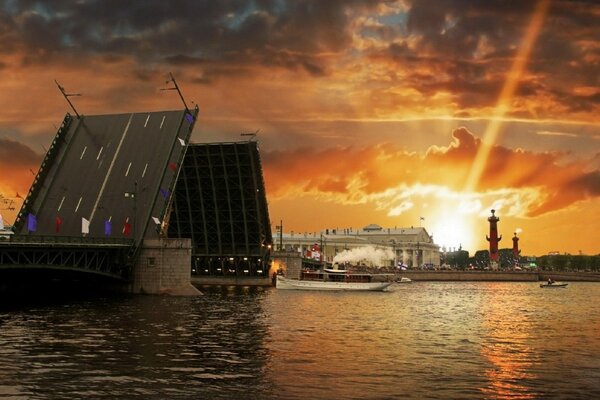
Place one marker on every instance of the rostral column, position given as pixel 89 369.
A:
pixel 515 250
pixel 493 238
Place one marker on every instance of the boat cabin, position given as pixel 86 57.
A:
pixel 335 275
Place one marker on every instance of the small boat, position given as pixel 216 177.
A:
pixel 332 279
pixel 553 285
pixel 404 280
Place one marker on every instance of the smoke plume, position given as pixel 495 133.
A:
pixel 368 255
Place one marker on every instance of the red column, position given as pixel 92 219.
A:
pixel 493 238
pixel 515 250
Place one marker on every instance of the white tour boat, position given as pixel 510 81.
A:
pixel 332 279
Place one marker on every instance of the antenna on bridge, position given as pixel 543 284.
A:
pixel 251 134
pixel 67 95
pixel 176 87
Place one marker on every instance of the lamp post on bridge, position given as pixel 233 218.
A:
pixel 279 229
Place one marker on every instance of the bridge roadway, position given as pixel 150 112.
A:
pixel 110 257
pixel 115 168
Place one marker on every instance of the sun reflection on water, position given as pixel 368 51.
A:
pixel 508 330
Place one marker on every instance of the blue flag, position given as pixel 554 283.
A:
pixel 165 193
pixel 31 223
pixel 107 228
pixel 189 117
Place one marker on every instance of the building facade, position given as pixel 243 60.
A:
pixel 412 247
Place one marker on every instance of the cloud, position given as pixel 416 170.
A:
pixel 17 161
pixel 554 133
pixel 420 57
pixel 519 182
pixel 464 49
pixel 15 154
pixel 211 35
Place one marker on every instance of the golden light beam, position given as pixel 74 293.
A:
pixel 506 95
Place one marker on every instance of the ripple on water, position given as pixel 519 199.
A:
pixel 426 340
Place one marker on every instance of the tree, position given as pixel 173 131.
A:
pixel 482 258
pixel 457 259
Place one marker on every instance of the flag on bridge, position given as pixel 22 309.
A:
pixel 165 193
pixel 156 220
pixel 181 141
pixel 57 224
pixel 127 227
pixel 85 226
pixel 31 223
pixel 107 227
pixel 173 166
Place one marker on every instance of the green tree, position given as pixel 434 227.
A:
pixel 482 258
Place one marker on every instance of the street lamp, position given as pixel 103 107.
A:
pixel 279 229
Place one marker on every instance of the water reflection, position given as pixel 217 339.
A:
pixel 147 346
pixel 507 329
pixel 425 340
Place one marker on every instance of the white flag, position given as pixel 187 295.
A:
pixel 181 141
pixel 156 220
pixel 85 226
pixel 1 222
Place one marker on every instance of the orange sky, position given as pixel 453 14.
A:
pixel 367 111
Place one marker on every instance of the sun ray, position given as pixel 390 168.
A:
pixel 506 95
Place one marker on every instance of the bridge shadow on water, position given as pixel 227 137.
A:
pixel 33 287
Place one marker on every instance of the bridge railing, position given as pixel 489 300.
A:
pixel 67 240
pixel 47 163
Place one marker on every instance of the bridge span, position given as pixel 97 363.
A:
pixel 127 197
pixel 103 187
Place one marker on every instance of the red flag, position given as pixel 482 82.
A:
pixel 127 227
pixel 57 224
pixel 173 166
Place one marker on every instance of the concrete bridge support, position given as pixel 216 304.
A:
pixel 163 267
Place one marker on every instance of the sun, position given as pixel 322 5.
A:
pixel 453 232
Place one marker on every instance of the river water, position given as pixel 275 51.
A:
pixel 456 340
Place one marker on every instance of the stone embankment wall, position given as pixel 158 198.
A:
pixel 164 267
pixel 291 263
pixel 570 276
pixel 230 280
pixel 508 276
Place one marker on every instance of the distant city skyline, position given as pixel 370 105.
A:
pixel 399 113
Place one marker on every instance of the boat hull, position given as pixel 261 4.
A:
pixel 553 285
pixel 296 284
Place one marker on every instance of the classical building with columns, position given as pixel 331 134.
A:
pixel 413 247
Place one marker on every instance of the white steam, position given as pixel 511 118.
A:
pixel 368 255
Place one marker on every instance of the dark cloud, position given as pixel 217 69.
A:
pixel 273 33
pixel 461 47
pixel 17 162
pixel 13 153
pixel 471 45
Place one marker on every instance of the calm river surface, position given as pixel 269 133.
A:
pixel 456 340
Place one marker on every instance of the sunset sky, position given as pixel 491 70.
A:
pixel 367 111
